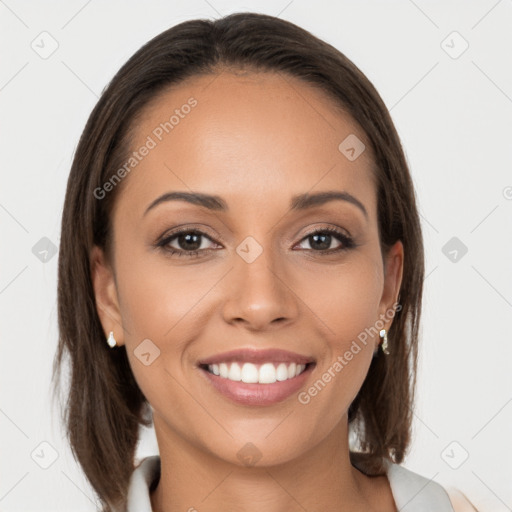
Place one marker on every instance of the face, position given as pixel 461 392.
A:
pixel 253 282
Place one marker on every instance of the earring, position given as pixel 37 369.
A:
pixel 111 340
pixel 384 337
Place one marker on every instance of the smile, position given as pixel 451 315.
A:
pixel 266 373
pixel 257 377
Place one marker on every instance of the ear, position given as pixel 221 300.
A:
pixel 105 292
pixel 393 270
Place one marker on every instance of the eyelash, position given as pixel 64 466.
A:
pixel 347 242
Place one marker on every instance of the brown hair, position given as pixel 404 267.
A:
pixel 105 406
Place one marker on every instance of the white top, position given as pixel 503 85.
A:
pixel 411 492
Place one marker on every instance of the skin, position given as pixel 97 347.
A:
pixel 255 139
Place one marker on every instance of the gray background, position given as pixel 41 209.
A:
pixel 453 109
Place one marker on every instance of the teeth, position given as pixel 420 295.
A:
pixel 235 373
pixel 223 370
pixel 267 373
pixel 282 372
pixel 250 373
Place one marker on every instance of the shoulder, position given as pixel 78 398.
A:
pixel 412 487
pixel 415 493
pixel 143 479
pixel 459 501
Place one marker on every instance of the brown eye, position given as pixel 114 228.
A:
pixel 186 243
pixel 189 241
pixel 322 241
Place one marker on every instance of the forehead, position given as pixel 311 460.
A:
pixel 245 135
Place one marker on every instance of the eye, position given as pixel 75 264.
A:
pixel 321 241
pixel 187 242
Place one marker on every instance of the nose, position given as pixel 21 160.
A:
pixel 259 295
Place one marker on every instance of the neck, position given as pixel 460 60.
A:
pixel 323 479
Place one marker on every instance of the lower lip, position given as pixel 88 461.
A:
pixel 258 394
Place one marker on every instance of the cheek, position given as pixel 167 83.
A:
pixel 159 299
pixel 159 315
pixel 346 299
pixel 163 310
pixel 346 303
pixel 356 309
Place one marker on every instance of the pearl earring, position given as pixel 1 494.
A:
pixel 111 340
pixel 384 337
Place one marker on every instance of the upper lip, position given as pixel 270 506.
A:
pixel 257 356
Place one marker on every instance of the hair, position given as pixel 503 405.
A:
pixel 104 406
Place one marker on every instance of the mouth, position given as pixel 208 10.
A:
pixel 257 377
pixel 250 373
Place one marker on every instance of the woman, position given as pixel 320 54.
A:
pixel 240 225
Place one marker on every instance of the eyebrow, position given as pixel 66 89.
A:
pixel 298 202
